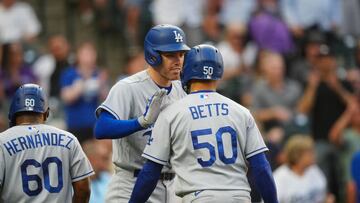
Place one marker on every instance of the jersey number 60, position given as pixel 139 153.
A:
pixel 26 178
pixel 220 146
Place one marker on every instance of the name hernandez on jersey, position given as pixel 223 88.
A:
pixel 26 142
pixel 39 163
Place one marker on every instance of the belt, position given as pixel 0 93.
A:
pixel 163 176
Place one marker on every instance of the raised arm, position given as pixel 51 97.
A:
pixel 307 100
pixel 341 123
pixel 108 127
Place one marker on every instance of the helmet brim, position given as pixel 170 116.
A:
pixel 173 48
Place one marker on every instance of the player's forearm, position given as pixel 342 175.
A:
pixel 108 127
pixel 261 173
pixel 81 197
pixel 81 191
pixel 146 182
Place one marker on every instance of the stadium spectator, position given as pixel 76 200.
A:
pixel 82 86
pixel 133 11
pixel 48 69
pixel 187 14
pixel 49 66
pixel 268 30
pixel 325 91
pixel 305 14
pixel 239 57
pixel 301 66
pixel 299 180
pixel 324 100
pixel 211 23
pixel 86 11
pixel 236 11
pixel 274 140
pixel 99 156
pixel 14 71
pixel 135 64
pixel 18 22
pixel 346 134
pixel 274 95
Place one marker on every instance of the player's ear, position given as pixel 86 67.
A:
pixel 188 87
pixel 46 114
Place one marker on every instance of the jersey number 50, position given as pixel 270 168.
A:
pixel 26 178
pixel 220 146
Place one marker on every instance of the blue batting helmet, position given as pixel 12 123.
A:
pixel 163 38
pixel 202 62
pixel 27 98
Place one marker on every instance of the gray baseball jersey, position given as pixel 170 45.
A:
pixel 38 163
pixel 127 100
pixel 207 138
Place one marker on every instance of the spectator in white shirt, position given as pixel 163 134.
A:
pixel 299 180
pixel 18 22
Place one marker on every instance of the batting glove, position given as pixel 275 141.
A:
pixel 152 109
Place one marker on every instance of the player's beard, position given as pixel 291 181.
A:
pixel 170 74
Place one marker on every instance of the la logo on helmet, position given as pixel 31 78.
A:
pixel 178 37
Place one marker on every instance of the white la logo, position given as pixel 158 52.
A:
pixel 178 37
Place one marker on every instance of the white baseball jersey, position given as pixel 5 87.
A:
pixel 207 138
pixel 127 100
pixel 39 163
pixel 292 188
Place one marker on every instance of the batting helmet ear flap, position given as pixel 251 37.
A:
pixel 152 57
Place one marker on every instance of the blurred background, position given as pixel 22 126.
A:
pixel 294 63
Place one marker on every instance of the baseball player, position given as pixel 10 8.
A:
pixel 121 116
pixel 208 139
pixel 38 162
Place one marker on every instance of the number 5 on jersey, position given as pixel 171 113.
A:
pixel 220 145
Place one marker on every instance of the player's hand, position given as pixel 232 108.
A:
pixel 152 109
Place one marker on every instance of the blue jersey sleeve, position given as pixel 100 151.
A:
pixel 108 127
pixel 146 182
pixel 262 175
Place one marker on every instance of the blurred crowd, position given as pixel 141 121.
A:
pixel 294 63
